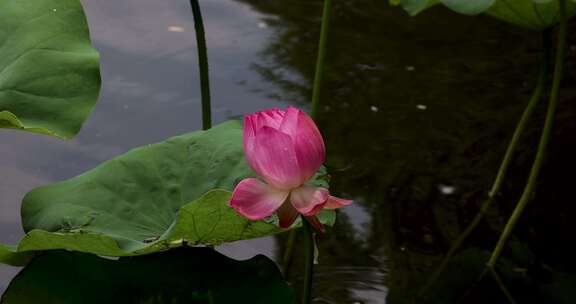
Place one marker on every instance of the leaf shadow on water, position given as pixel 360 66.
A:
pixel 185 275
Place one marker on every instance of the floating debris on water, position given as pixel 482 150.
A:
pixel 175 29
pixel 446 189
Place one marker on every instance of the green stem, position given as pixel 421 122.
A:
pixel 504 165
pixel 308 261
pixel 202 64
pixel 308 231
pixel 287 258
pixel 544 139
pixel 321 57
pixel 540 85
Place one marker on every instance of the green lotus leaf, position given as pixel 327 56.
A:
pixel 49 72
pixel 186 275
pixel 530 14
pixel 468 7
pixel 151 199
pixel 10 256
pixel 414 7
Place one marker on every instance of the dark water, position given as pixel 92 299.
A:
pixel 416 114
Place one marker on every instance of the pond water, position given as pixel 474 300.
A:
pixel 416 115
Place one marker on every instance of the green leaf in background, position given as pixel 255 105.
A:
pixel 530 14
pixel 49 72
pixel 150 199
pixel 468 7
pixel 186 275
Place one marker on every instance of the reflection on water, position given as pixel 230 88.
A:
pixel 416 115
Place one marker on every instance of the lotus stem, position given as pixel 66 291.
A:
pixel 202 65
pixel 308 261
pixel 319 73
pixel 544 139
pixel 308 231
pixel 287 257
pixel 504 165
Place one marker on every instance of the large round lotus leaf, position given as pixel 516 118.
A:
pixel 10 256
pixel 187 275
pixel 49 72
pixel 150 199
pixel 531 14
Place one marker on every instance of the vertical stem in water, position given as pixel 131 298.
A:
pixel 504 165
pixel 202 64
pixel 308 261
pixel 544 139
pixel 318 75
pixel 287 257
pixel 307 229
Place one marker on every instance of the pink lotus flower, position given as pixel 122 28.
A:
pixel 285 149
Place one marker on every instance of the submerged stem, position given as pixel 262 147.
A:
pixel 504 165
pixel 544 139
pixel 308 261
pixel 502 286
pixel 202 65
pixel 319 73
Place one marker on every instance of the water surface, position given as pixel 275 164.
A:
pixel 416 114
